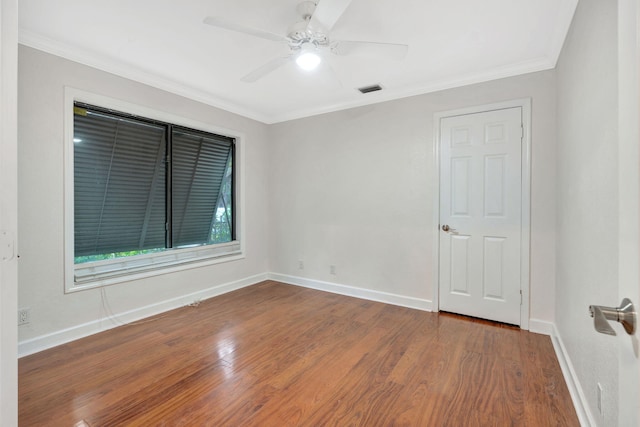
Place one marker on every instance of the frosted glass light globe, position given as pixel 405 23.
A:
pixel 308 59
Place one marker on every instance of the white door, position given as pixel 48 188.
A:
pixel 480 214
pixel 8 212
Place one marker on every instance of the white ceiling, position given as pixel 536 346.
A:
pixel 164 43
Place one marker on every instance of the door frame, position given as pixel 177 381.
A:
pixel 9 211
pixel 525 260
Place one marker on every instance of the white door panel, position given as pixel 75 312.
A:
pixel 480 200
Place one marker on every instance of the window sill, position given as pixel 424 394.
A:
pixel 102 273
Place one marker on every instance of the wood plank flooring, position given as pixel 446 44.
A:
pixel 279 355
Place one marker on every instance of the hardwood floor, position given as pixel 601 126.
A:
pixel 279 355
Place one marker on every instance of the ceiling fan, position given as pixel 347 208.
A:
pixel 309 40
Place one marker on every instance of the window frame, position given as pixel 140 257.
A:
pixel 107 272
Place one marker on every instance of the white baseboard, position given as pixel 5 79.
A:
pixel 368 294
pixel 573 384
pixel 540 327
pixel 63 336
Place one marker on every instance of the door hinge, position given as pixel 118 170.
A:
pixel 520 296
pixel 521 131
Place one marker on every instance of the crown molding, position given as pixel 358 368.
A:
pixel 127 71
pixel 540 64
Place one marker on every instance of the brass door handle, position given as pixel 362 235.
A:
pixel 448 229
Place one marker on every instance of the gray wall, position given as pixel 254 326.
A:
pixel 42 80
pixel 354 189
pixel 587 248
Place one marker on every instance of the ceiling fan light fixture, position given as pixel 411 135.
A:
pixel 308 59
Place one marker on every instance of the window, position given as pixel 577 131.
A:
pixel 147 195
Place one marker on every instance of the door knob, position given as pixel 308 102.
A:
pixel 625 314
pixel 448 229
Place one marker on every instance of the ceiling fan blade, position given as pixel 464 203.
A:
pixel 223 23
pixel 327 14
pixel 370 49
pixel 267 68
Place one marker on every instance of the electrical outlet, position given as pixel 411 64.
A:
pixel 24 316
pixel 300 265
pixel 332 269
pixel 599 397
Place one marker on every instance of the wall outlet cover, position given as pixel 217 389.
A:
pixel 24 316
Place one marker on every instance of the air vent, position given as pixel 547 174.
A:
pixel 372 88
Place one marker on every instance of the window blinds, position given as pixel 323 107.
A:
pixel 119 184
pixel 130 196
pixel 198 164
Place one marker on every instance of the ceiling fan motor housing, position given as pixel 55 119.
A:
pixel 299 32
